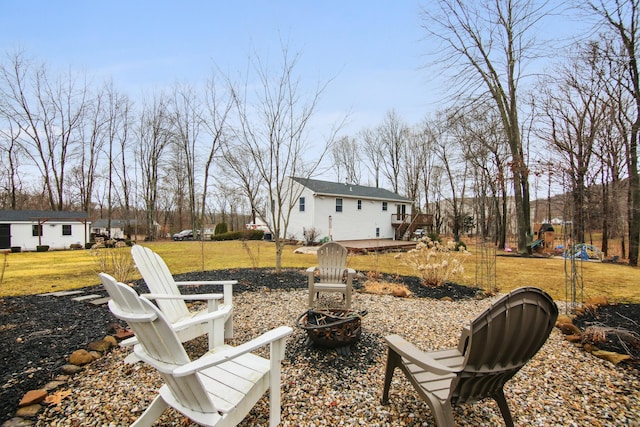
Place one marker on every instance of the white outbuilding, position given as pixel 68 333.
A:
pixel 28 229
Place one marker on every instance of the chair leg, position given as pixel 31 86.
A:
pixel 393 360
pixel 504 408
pixel 228 327
pixel 153 412
pixel 443 413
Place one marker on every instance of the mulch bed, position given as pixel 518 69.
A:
pixel 38 333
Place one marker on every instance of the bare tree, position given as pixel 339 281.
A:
pixel 346 160
pixel 154 133
pixel 449 150
pixel 574 107
pixel 49 113
pixel 622 17
pixel 487 44
pixel 117 112
pixel 186 125
pixel 482 137
pixel 273 126
pixel 415 157
pixel 218 106
pixel 373 153
pixel 10 149
pixel 393 139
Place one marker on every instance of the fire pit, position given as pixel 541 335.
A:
pixel 332 327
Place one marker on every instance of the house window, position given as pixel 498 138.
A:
pixel 66 229
pixel 301 204
pixel 36 230
pixel 338 205
pixel 359 205
pixel 377 231
pixel 384 206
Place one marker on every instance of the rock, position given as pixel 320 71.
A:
pixel 111 340
pixel 52 385
pixel 590 347
pixel 563 318
pixel 71 369
pixel 611 356
pixel 400 293
pixel 103 345
pixel 17 422
pixel 99 345
pixel 123 334
pixel 569 329
pixel 446 299
pixel 95 354
pixel 32 396
pixel 80 358
pixel 576 338
pixel 30 411
pixel 597 301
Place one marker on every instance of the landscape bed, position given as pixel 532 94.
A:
pixel 39 332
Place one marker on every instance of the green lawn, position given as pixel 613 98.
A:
pixel 38 272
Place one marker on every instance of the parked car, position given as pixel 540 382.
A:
pixel 183 235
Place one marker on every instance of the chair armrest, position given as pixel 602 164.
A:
pixel 207 282
pixel 410 352
pixel 228 287
pixel 311 270
pixel 212 359
pixel 203 317
pixel 190 297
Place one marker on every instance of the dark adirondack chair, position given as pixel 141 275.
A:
pixel 490 352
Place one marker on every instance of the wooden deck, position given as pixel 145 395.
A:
pixel 373 245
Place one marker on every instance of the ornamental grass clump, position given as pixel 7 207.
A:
pixel 434 262
pixel 116 261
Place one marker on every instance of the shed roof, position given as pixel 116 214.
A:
pixel 35 215
pixel 349 190
pixel 115 223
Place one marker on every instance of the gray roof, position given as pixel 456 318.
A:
pixel 328 188
pixel 34 215
pixel 115 223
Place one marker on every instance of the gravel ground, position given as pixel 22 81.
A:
pixel 561 386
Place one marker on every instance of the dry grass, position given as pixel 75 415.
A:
pixel 38 272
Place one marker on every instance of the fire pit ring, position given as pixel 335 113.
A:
pixel 332 327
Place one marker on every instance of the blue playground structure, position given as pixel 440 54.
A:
pixel 585 252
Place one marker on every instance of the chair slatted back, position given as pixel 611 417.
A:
pixel 161 347
pixel 502 340
pixel 159 280
pixel 332 260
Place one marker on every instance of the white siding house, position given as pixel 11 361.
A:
pixel 30 228
pixel 345 211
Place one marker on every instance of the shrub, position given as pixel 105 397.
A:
pixel 434 262
pixel 461 246
pixel 310 235
pixel 434 237
pixel 238 235
pixel 221 229
pixel 115 261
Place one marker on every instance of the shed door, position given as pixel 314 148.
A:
pixel 5 236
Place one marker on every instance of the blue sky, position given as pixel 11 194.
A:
pixel 372 49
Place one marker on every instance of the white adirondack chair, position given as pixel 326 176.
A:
pixel 218 389
pixel 164 290
pixel 333 274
